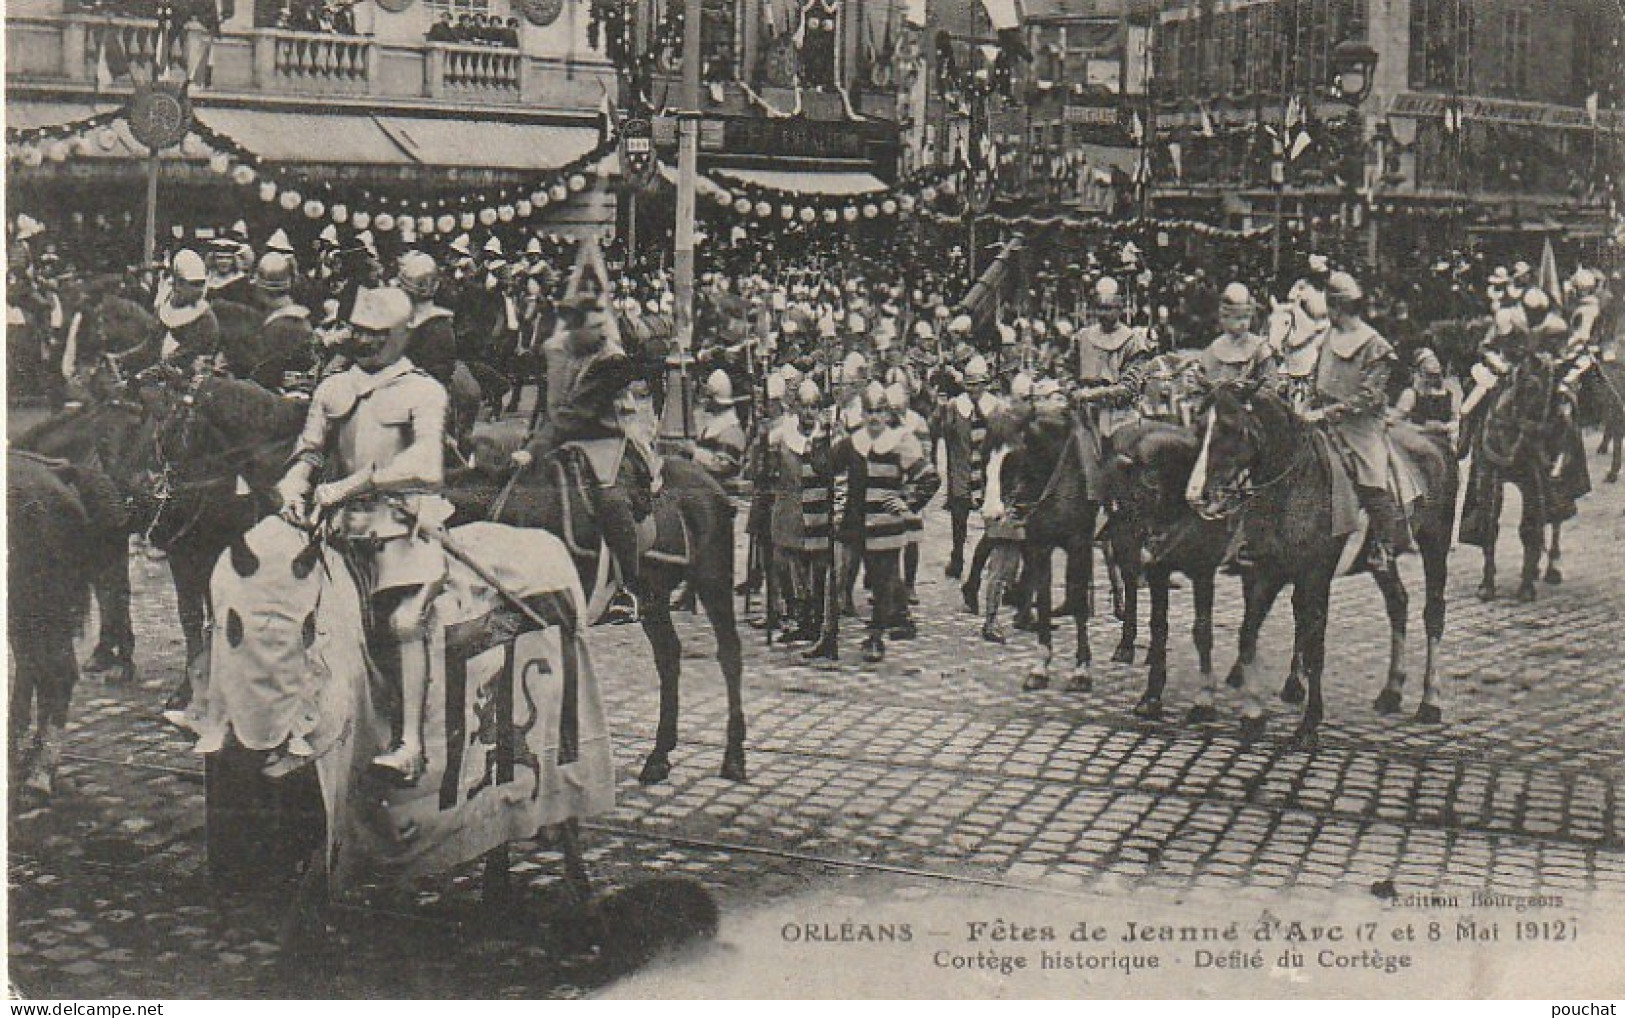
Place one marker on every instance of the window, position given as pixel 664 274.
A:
pixel 1515 43
pixel 1441 44
pixel 459 7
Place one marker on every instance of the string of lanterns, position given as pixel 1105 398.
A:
pixel 1095 224
pixel 32 146
pixel 768 204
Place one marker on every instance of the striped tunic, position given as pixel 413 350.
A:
pixel 802 510
pixel 964 431
pixel 880 470
pixel 920 429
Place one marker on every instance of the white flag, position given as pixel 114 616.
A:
pixel 1207 123
pixel 1174 153
pixel 1591 107
pixel 1299 143
pixel 1002 13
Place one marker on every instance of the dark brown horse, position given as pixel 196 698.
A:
pixel 559 495
pixel 48 572
pixel 1263 464
pixel 1155 533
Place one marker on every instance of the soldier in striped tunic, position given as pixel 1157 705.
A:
pixel 887 477
pixel 963 427
pixel 910 420
pixel 797 458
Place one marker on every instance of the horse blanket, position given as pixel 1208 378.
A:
pixel 514 727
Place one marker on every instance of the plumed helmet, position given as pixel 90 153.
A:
pixel 188 265
pixel 420 276
pixel 275 273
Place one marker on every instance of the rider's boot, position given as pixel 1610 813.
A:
pixel 1389 533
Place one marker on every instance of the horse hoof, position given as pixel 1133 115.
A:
pixel 39 786
pixel 1252 729
pixel 1124 655
pixel 1037 679
pixel 1149 709
pixel 1611 478
pixel 1429 714
pixel 1526 592
pixel 1305 739
pixel 655 770
pixel 1080 682
pixel 1202 714
pixel 1293 691
pixel 733 767
pixel 1237 677
pixel 1388 702
pixel 1554 575
pixel 1486 591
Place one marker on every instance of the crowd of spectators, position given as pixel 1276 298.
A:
pixel 475 30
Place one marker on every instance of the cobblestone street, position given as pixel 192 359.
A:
pixel 930 767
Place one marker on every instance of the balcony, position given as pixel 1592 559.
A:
pixel 61 53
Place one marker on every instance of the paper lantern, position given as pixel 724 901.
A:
pixel 488 217
pixel 928 195
pixel 314 209
pixel 787 211
pixel 849 214
pixel 831 216
pixel 465 220
pixel 220 163
pixel 538 198
pixel 429 224
pixel 340 213
pixel 292 200
pixel 763 209
pixel 107 138
pixel 559 192
pixel 725 197
pixel 871 210
pixel 362 220
pixel 742 206
pixel 57 151
pixel 522 208
pixel 505 213
pixel 243 174
pixel 906 203
pixel 384 223
pixel 267 190
pixel 808 215
pixel 578 182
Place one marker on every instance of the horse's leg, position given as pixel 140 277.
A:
pixel 1554 555
pixel 1156 656
pixel 1293 689
pixel 1486 586
pixel 716 594
pixel 576 880
pixel 668 653
pixel 1397 602
pixel 25 673
pixel 496 881
pixel 115 642
pixel 1036 560
pixel 1126 585
pixel 58 672
pixel 1117 579
pixel 1202 581
pixel 303 933
pixel 1436 571
pixel 190 572
pixel 1616 431
pixel 1260 596
pixel 1315 603
pixel 1532 533
pixel 1080 575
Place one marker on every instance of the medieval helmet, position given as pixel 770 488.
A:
pixel 419 275
pixel 275 273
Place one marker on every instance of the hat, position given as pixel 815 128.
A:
pixel 1107 293
pixel 1342 286
pixel 1021 386
pixel 275 272
pixel 874 396
pixel 1499 277
pixel 279 242
pixel 807 393
pixel 897 396
pixel 383 308
pixel 977 370
pixel 580 301
pixel 1236 297
pixel 188 265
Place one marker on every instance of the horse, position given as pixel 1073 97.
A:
pixel 48 572
pixel 1260 461
pixel 1155 533
pixel 1512 439
pixel 1605 392
pixel 103 441
pixel 559 494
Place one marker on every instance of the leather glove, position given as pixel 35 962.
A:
pixel 294 494
pixel 336 492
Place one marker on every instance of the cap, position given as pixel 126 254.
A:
pixel 188 265
pixel 1236 297
pixel 1343 286
pixel 807 393
pixel 1107 292
pixel 386 307
pixel 977 370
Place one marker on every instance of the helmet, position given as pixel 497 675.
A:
pixel 384 308
pixel 791 374
pixel 1342 286
pixel 1585 280
pixel 1237 297
pixel 977 370
pixel 1107 293
pixel 775 386
pixel 1021 386
pixel 961 324
pixel 922 329
pixel 275 272
pixel 807 393
pixel 854 367
pixel 420 277
pixel 1064 327
pixel 874 397
pixel 897 396
pixel 1535 302
pixel 719 386
pixel 188 266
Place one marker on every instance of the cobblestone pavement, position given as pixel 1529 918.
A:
pixel 932 764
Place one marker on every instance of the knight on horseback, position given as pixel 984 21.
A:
pixel 432 343
pixel 375 434
pixel 286 339
pixel 192 331
pixel 588 378
pixel 1351 398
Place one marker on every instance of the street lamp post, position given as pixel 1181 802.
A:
pixel 1354 67
pixel 677 416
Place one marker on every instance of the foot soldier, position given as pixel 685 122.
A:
pixel 374 437
pixel 719 446
pixel 797 471
pixel 963 428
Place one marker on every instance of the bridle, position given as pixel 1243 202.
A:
pixel 1242 491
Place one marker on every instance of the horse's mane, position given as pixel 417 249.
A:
pixel 244 405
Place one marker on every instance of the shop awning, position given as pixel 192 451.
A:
pixel 829 182
pixel 487 145
pixel 296 138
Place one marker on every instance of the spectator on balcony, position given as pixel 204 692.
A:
pixel 510 34
pixel 443 30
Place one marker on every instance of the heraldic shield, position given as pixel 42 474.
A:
pixel 514 725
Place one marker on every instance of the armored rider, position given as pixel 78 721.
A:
pixel 287 340
pixel 433 342
pixel 375 434
pixel 1112 359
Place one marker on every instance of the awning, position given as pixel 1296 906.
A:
pixel 806 181
pixel 336 139
pixel 116 143
pixel 488 145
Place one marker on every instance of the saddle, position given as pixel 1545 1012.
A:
pixel 582 467
pixel 1407 479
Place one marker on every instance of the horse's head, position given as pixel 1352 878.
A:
pixel 1151 463
pixel 1245 427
